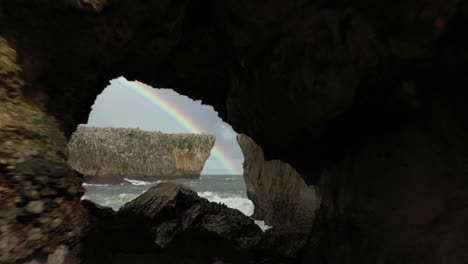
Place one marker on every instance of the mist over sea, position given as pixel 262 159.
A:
pixel 227 189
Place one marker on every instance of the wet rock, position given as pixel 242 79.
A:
pixel 32 194
pixel 35 207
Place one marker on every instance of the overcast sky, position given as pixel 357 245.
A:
pixel 119 106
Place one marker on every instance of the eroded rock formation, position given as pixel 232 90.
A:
pixel 279 193
pixel 365 99
pixel 108 152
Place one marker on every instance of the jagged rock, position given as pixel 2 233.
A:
pixel 279 193
pixel 107 152
pixel 168 222
pixel 175 212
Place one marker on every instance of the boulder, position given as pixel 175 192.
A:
pixel 174 212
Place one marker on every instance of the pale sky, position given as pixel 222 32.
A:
pixel 119 106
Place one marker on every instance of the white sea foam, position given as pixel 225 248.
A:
pixel 113 201
pixel 262 225
pixel 242 204
pixel 95 184
pixel 139 183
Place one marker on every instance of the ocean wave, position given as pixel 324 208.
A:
pixel 95 184
pixel 240 203
pixel 231 179
pixel 140 183
pixel 113 201
pixel 117 200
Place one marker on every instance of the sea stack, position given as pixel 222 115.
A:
pixel 129 152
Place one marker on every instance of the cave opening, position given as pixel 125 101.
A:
pixel 139 108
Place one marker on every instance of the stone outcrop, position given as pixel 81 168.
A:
pixel 279 193
pixel 174 210
pixel 170 221
pixel 365 99
pixel 120 152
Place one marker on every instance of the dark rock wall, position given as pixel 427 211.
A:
pixel 366 99
pixel 400 198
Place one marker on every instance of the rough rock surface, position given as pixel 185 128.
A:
pixel 121 152
pixel 39 193
pixel 366 99
pixel 279 193
pixel 173 210
pixel 171 220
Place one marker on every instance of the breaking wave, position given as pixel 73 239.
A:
pixel 226 190
pixel 95 184
pixel 141 183
pixel 242 204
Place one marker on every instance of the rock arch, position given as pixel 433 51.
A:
pixel 364 99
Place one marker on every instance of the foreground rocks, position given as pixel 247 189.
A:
pixel 279 193
pixel 108 152
pixel 169 221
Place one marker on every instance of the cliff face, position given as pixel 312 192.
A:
pixel 278 192
pixel 132 152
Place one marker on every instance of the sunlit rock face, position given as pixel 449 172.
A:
pixel 124 152
pixel 279 193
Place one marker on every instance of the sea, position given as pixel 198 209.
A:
pixel 227 189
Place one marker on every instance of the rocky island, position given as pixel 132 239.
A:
pixel 119 152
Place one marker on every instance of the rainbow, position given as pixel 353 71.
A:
pixel 149 93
